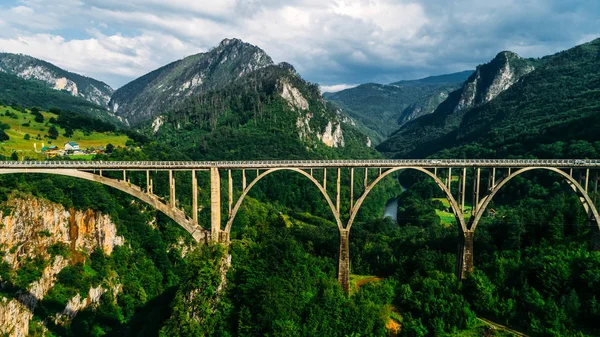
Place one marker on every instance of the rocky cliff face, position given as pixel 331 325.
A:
pixel 330 134
pixel 491 79
pixel 29 68
pixel 27 231
pixel 161 90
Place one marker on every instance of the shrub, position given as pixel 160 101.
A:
pixel 53 132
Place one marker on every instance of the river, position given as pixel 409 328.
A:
pixel 391 209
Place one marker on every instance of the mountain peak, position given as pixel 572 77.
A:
pixel 31 68
pixel 160 90
pixel 492 78
pixel 229 41
pixel 507 54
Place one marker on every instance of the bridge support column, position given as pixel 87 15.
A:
pixel 476 184
pixel 230 192
pixel 593 220
pixel 351 189
pixel 595 199
pixel 171 189
pixel 244 179
pixel 337 199
pixel 344 260
pixel 464 190
pixel 194 197
pixel 215 204
pixel 464 260
pixel 147 181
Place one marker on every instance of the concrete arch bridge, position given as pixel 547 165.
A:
pixel 489 176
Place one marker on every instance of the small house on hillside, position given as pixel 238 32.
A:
pixel 50 151
pixel 491 213
pixel 71 146
pixel 50 148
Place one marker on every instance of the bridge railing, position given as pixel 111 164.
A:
pixel 262 164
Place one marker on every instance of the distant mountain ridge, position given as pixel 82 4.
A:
pixel 513 106
pixel 160 90
pixel 451 78
pixel 381 109
pixel 30 68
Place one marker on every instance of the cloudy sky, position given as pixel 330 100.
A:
pixel 334 43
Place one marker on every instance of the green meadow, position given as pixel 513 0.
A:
pixel 23 123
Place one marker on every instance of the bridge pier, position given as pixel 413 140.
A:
pixel 171 190
pixel 595 229
pixel 194 197
pixel 344 260
pixel 215 204
pixel 464 260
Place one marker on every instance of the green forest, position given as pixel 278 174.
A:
pixel 535 266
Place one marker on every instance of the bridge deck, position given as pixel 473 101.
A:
pixel 267 164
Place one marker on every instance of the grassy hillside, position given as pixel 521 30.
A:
pixel 23 123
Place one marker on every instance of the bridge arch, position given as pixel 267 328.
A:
pixel 455 208
pixel 574 184
pixel 266 173
pixel 197 232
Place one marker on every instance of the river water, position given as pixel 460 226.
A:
pixel 391 209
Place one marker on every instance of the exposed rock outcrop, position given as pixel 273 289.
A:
pixel 332 137
pixel 294 97
pixel 491 79
pixel 28 230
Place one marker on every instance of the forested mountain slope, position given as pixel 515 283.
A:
pixel 241 106
pixel 30 68
pixel 29 93
pixel 163 89
pixel 269 113
pixel 382 109
pixel 489 82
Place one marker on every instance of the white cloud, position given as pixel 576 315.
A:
pixel 336 87
pixel 22 10
pixel 102 57
pixel 328 41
